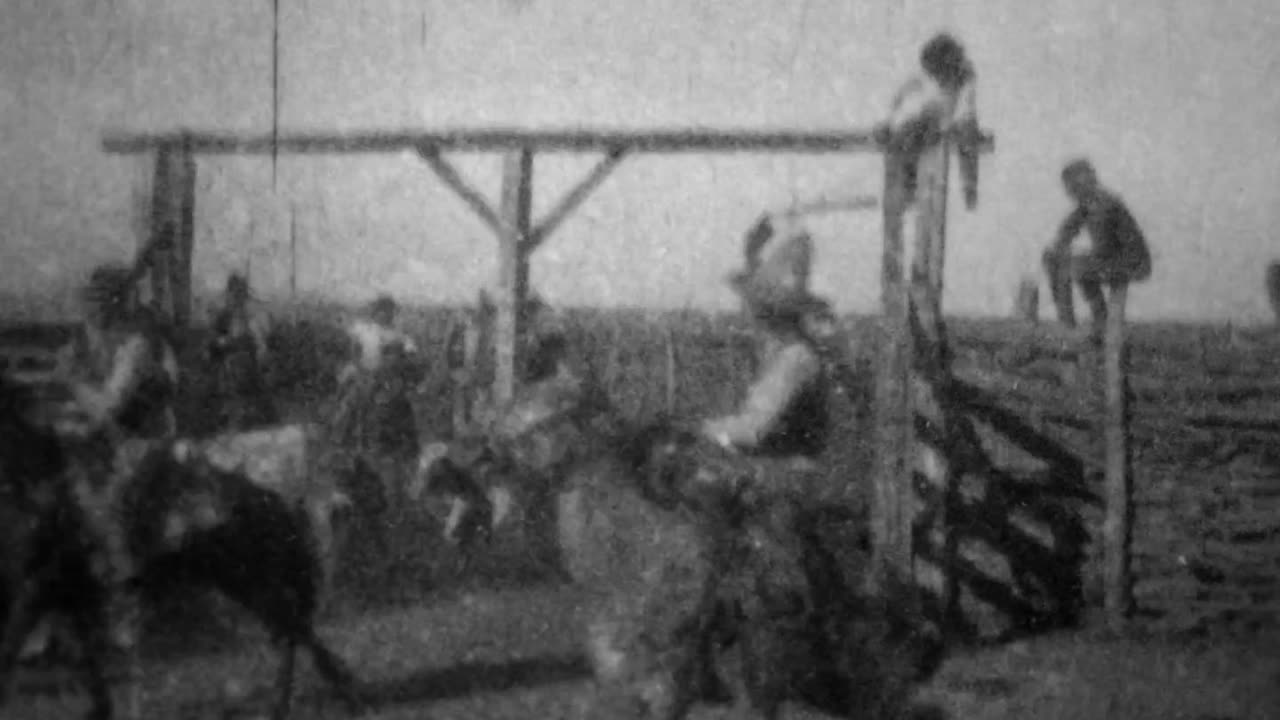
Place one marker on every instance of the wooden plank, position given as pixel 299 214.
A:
pixel 513 270
pixel 165 258
pixel 183 243
pixel 1118 524
pixel 668 140
pixel 891 535
pixel 930 375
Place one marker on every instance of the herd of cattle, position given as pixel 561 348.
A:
pixel 674 601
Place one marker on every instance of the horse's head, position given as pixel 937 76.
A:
pixel 466 483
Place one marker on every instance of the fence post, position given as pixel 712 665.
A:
pixel 890 521
pixel 1118 525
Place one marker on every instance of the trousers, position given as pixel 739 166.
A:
pixel 1091 272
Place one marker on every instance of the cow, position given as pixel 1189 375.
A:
pixel 286 460
pixel 184 518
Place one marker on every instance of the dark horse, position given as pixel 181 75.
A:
pixel 184 519
pixel 685 592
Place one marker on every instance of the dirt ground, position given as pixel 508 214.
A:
pixel 510 653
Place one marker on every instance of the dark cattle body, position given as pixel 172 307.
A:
pixel 44 566
pixel 202 525
pixel 187 522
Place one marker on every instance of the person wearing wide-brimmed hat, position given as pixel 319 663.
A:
pixel 785 410
pixel 239 351
pixel 122 372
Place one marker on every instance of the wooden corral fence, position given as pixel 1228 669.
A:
pixel 1205 542
pixel 927 441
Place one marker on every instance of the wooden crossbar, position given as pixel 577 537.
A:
pixel 672 140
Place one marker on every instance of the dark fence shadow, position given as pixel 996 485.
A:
pixel 1015 543
pixel 418 687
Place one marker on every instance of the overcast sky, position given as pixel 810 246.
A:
pixel 1174 99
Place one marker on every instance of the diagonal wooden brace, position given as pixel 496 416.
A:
pixel 450 176
pixel 573 199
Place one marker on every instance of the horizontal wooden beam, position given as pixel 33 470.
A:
pixel 673 140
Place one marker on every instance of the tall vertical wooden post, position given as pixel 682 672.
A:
pixel 932 417
pixel 168 253
pixel 513 269
pixel 184 243
pixel 890 519
pixel 1118 525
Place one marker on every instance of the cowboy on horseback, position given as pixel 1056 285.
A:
pixel 123 374
pixel 771 445
pixel 784 414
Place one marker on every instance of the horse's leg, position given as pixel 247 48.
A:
pixel 762 685
pixel 133 683
pixel 284 679
pixel 18 625
pixel 334 671
pixel 91 630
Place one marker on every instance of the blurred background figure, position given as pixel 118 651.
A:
pixel 240 357
pixel 375 418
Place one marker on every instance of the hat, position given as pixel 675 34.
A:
pixel 109 285
pixel 944 54
pixel 777 287
pixel 1078 167
pixel 237 284
pixel 383 305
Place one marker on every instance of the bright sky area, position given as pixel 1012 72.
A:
pixel 1173 99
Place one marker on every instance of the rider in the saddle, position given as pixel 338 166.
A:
pixel 784 416
pixel 123 374
pixel 239 352
pixel 773 441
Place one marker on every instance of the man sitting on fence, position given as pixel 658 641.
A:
pixel 1119 256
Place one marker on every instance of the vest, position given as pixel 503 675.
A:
pixel 804 426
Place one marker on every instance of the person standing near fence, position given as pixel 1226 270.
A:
pixel 1119 256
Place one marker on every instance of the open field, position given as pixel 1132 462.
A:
pixel 495 642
